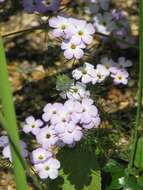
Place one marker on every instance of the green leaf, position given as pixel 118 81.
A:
pixel 138 161
pixel 131 183
pixel 140 181
pixel 117 171
pixel 79 171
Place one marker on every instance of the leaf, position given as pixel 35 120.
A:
pixel 138 161
pixel 117 171
pixel 131 183
pixel 140 181
pixel 79 171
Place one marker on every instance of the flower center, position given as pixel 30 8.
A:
pixel 48 136
pixel 81 33
pixel 33 126
pixel 120 77
pixel 75 90
pixel 104 23
pixel 47 168
pixel 40 157
pixel 47 2
pixel 73 46
pixel 99 76
pixel 63 26
pixel 84 72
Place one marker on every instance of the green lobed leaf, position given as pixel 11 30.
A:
pixel 79 171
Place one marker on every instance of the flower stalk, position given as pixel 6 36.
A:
pixel 140 90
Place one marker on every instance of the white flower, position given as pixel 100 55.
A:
pixel 101 73
pixel 120 77
pixel 83 31
pixel 32 125
pixel 48 168
pixel 123 63
pixel 40 155
pixel 77 91
pixel 85 73
pixel 47 137
pixel 60 24
pixel 73 50
pixel 104 23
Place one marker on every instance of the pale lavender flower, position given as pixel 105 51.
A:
pixel 40 155
pixel 50 110
pixel 71 134
pixel 95 122
pixel 101 73
pixel 84 73
pixel 32 125
pixel 88 111
pixel 104 23
pixel 4 141
pixel 108 63
pixel 61 117
pixel 77 91
pixel 7 153
pixel 74 108
pixel 60 25
pixel 123 63
pixel 48 168
pixel 120 77
pixel 83 32
pixel 73 50
pixel 46 137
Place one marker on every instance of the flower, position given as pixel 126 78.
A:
pixel 123 63
pixel 60 25
pixel 50 110
pixel 89 111
pixel 61 117
pixel 47 137
pixel 48 168
pixel 32 125
pixel 104 23
pixel 95 122
pixel 100 74
pixel 74 109
pixel 4 141
pixel 71 134
pixel 108 63
pixel 40 155
pixel 120 77
pixel 85 73
pixel 77 91
pixel 73 50
pixel 40 6
pixel 7 153
pixel 83 31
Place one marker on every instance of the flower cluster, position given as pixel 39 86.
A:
pixel 76 35
pixel 107 67
pixel 41 6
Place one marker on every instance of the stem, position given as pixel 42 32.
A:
pixel 45 26
pixel 23 162
pixel 140 89
pixel 9 112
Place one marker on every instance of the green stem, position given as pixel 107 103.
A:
pixel 26 166
pixel 9 112
pixel 140 89
pixel 45 26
